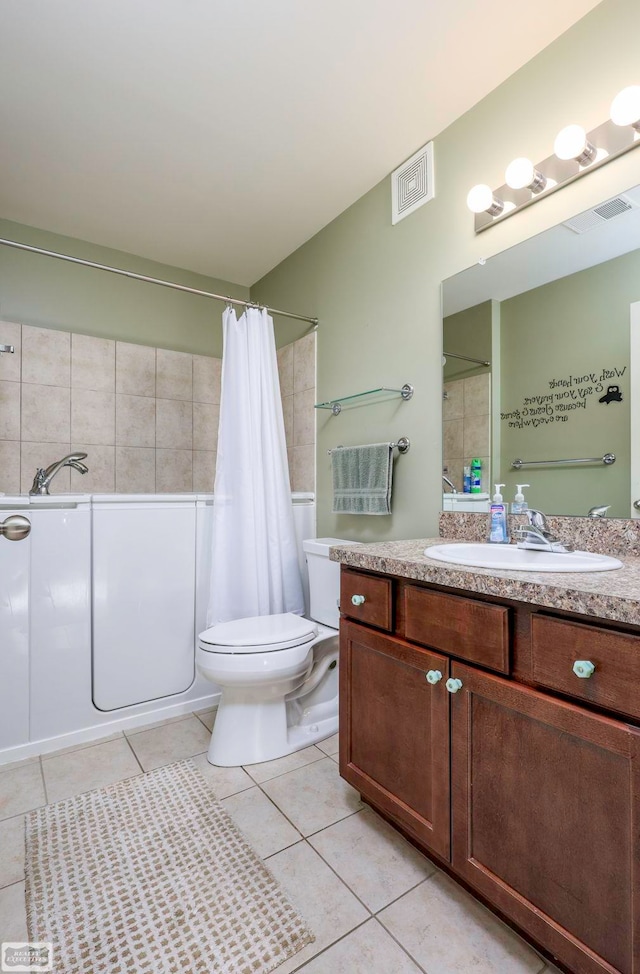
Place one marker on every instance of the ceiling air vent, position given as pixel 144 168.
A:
pixel 591 219
pixel 412 183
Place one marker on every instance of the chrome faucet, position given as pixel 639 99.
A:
pixel 536 535
pixel 43 477
pixel 448 482
pixel 600 510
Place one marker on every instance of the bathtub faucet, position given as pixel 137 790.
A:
pixel 44 477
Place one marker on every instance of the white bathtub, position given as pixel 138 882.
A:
pixel 100 608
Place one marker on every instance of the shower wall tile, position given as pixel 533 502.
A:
pixel 101 478
pixel 304 363
pixel 93 363
pixel 135 421
pixel 93 416
pixel 204 470
pixel 174 424
pixel 285 369
pixel 304 418
pixel 303 468
pixel 46 414
pixel 453 405
pixel 207 378
pixel 9 466
pixel 146 417
pixel 135 369
pixel 174 471
pixel 135 470
pixel 477 434
pixel 46 356
pixel 10 410
pixel 10 364
pixel 287 412
pixel 205 426
pixel 174 375
pixel 35 455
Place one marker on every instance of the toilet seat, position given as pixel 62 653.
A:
pixel 258 634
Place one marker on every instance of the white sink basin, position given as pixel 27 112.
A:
pixel 521 559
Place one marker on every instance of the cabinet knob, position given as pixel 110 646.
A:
pixel 434 676
pixel 453 685
pixel 357 599
pixel 583 668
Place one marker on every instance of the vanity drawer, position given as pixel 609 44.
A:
pixel 558 644
pixel 366 598
pixel 466 628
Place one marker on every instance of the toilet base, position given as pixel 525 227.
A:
pixel 227 753
pixel 249 729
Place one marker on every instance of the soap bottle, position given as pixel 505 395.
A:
pixel 498 529
pixel 466 480
pixel 476 476
pixel 519 505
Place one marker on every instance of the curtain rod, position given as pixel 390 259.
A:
pixel 152 280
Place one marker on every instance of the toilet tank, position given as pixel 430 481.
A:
pixel 324 580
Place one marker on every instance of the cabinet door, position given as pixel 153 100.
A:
pixel 394 731
pixel 546 803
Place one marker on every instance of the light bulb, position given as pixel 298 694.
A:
pixel 572 143
pixel 522 174
pixel 480 199
pixel 625 107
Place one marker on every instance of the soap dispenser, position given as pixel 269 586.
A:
pixel 519 505
pixel 498 528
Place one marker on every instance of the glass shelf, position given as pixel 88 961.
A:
pixel 382 392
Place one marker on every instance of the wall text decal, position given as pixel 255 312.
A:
pixel 568 395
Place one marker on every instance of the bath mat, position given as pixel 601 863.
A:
pixel 151 876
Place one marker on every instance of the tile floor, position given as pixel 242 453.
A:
pixel 375 904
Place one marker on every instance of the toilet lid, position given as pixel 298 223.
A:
pixel 258 634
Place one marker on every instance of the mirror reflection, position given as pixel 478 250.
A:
pixel 539 352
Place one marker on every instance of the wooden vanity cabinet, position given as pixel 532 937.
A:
pixel 394 731
pixel 531 799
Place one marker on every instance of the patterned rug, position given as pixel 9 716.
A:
pixel 151 876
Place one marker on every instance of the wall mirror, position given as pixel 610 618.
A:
pixel 540 353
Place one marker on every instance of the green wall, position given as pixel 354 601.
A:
pixel 563 332
pixel 376 287
pixel 467 332
pixel 51 293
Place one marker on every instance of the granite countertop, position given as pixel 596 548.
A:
pixel 611 595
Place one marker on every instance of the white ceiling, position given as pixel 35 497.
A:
pixel 219 135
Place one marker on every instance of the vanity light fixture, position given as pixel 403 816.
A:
pixel 480 199
pixel 572 143
pixel 575 152
pixel 522 174
pixel 625 107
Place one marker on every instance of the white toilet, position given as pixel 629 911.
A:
pixel 278 674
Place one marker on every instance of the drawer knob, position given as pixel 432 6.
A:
pixel 357 599
pixel 434 676
pixel 453 685
pixel 583 668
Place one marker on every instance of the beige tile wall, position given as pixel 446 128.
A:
pixel 146 417
pixel 297 368
pixel 466 427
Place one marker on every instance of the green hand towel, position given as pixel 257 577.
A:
pixel 362 479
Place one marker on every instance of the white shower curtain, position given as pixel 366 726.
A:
pixel 254 563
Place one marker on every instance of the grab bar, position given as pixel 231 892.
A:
pixel 467 358
pixel 607 459
pixel 403 445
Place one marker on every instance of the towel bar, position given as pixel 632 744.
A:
pixel 402 446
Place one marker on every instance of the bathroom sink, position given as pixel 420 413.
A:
pixel 520 559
